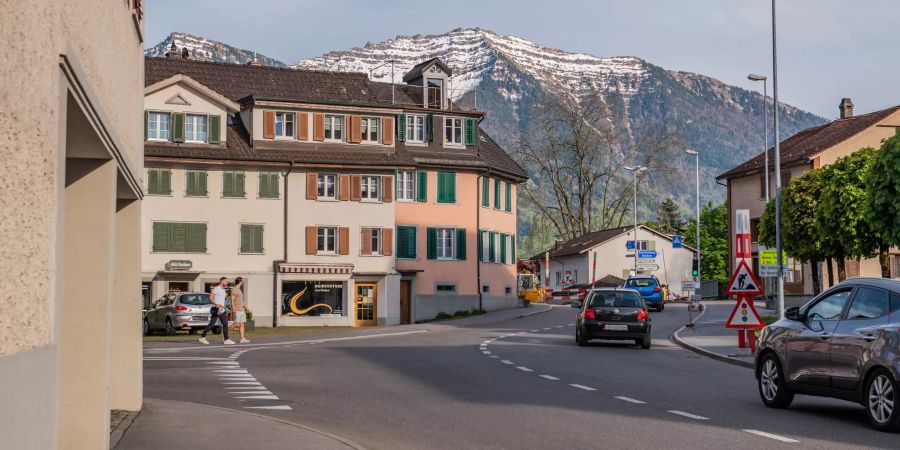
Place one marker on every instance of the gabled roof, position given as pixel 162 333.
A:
pixel 806 144
pixel 416 71
pixel 229 105
pixel 590 240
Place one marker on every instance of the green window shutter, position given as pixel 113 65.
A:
pixel 486 192
pixel 412 242
pixel 177 127
pixel 431 235
pixel 441 190
pixel 470 131
pixel 422 188
pixel 496 194
pixel 401 127
pixel 429 127
pixel 165 182
pixel 201 185
pixel 228 184
pixel 461 244
pixel 191 182
pixel 246 238
pixel 512 243
pixel 446 187
pixel 146 124
pixel 153 181
pixel 196 237
pixel 503 248
pixel 162 241
pixel 263 185
pixel 215 124
pixel 180 237
pixel 491 247
pixel 480 246
pixel 451 186
pixel 406 242
pixel 258 239
pixel 508 206
pixel 239 190
pixel 274 181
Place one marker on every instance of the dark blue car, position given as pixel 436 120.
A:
pixel 650 290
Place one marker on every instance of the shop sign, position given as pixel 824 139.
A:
pixel 312 298
pixel 179 264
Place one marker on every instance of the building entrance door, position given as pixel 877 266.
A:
pixel 366 303
pixel 404 301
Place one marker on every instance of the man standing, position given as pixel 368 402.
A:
pixel 218 312
pixel 239 308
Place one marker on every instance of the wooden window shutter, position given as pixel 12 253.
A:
pixel 239 188
pixel 480 246
pixel 422 187
pixel 451 187
pixel 228 184
pixel 311 241
pixel 344 187
pixel 146 124
pixel 162 241
pixel 366 238
pixel 496 194
pixel 303 126
pixel 203 191
pixel 387 134
pixel 165 182
pixel 508 206
pixel 268 124
pixel 492 249
pixel 355 187
pixel 401 127
pixel 312 190
pixel 512 248
pixel 191 178
pixel 246 238
pixel 470 131
pixel 344 241
pixel 153 176
pixel 431 241
pixel 387 191
pixel 429 127
pixel 355 129
pixel 215 129
pixel 486 192
pixel 262 189
pixel 258 239
pixel 461 244
pixel 387 241
pixel 177 127
pixel 318 127
pixel 274 185
pixel 503 248
pixel 197 238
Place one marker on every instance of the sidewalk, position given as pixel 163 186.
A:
pixel 169 424
pixel 709 336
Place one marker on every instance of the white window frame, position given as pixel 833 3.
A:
pixel 415 123
pixel 497 237
pixel 509 253
pixel 323 233
pixel 330 121
pixel 366 184
pixel 190 136
pixel 158 122
pixel 376 241
pixel 365 125
pixel 406 193
pixel 448 236
pixel 322 180
pixel 485 246
pixel 449 121
pixel 284 116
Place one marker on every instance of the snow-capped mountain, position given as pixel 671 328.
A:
pixel 209 50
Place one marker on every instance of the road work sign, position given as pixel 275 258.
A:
pixel 744 315
pixel 743 282
pixel 768 257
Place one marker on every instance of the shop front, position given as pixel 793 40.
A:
pixel 314 294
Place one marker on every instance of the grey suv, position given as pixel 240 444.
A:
pixel 178 311
pixel 845 343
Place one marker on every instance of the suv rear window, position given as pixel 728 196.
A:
pixel 640 282
pixel 194 299
pixel 616 299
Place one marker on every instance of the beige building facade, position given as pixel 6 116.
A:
pixel 70 352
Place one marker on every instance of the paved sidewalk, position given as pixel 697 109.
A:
pixel 168 424
pixel 710 337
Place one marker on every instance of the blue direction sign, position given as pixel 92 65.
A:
pixel 676 241
pixel 649 254
pixel 629 245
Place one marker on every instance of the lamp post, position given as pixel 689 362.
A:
pixel 634 173
pixel 753 77
pixel 778 248
pixel 696 156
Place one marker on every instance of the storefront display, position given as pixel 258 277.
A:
pixel 312 298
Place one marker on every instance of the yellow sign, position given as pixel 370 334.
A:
pixel 768 258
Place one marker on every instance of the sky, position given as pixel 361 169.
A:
pixel 827 49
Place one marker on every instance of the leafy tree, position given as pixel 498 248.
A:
pixel 668 218
pixel 883 198
pixel 713 241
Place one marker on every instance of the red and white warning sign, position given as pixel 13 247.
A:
pixel 743 282
pixel 744 315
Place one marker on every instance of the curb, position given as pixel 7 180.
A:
pixel 534 313
pixel 674 337
pixel 115 435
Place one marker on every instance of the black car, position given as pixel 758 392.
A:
pixel 618 314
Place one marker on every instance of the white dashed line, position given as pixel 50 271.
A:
pixel 506 361
pixel 571 324
pixel 524 369
pixel 549 377
pixel 251 392
pixel 486 353
pixel 688 415
pixel 259 397
pixel 548 328
pixel 534 331
pixel 630 400
pixel 261 388
pixel 582 387
pixel 248 383
pixel 281 407
pixel 559 326
pixel 772 436
pixel 494 356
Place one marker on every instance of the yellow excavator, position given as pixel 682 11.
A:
pixel 530 288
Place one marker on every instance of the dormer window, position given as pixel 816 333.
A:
pixel 284 125
pixel 195 129
pixel 334 128
pixel 434 93
pixel 158 126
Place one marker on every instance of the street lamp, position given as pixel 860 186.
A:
pixel 778 248
pixel 696 156
pixel 634 172
pixel 763 78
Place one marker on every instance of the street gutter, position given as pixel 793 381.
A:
pixel 676 338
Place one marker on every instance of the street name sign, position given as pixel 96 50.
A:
pixel 744 315
pixel 743 282
pixel 647 266
pixel 629 245
pixel 649 254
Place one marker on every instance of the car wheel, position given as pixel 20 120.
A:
pixel 579 338
pixel 881 395
pixel 644 342
pixel 662 306
pixel 146 328
pixel 771 383
pixel 170 329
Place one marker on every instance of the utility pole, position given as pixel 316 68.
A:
pixel 778 246
pixel 762 78
pixel 696 156
pixel 634 173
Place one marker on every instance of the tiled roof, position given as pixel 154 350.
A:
pixel 584 242
pixel 495 157
pixel 416 71
pixel 798 148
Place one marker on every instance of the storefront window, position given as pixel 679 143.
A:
pixel 312 298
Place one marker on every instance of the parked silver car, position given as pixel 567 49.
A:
pixel 178 311
pixel 845 343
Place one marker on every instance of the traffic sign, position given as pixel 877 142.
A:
pixel 743 282
pixel 648 266
pixel 676 241
pixel 646 260
pixel 768 257
pixel 629 245
pixel 744 315
pixel 688 286
pixel 646 254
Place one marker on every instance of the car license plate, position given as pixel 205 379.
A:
pixel 203 318
pixel 615 327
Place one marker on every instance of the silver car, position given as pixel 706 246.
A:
pixel 178 311
pixel 845 343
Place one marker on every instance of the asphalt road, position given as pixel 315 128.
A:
pixel 517 384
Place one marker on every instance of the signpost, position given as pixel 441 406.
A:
pixel 745 286
pixel 647 266
pixel 676 241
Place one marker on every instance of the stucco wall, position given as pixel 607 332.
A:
pixel 199 104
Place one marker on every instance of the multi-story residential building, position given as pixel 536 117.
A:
pixel 808 150
pixel 70 350
pixel 342 201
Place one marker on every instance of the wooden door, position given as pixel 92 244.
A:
pixel 366 305
pixel 404 301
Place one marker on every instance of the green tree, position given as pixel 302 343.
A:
pixel 713 241
pixel 668 218
pixel 883 198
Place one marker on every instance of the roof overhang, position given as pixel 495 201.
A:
pixel 196 85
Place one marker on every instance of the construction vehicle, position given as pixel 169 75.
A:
pixel 529 288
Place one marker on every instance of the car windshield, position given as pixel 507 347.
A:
pixel 615 299
pixel 640 282
pixel 194 299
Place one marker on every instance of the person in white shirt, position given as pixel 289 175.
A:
pixel 218 312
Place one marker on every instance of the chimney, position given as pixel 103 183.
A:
pixel 185 53
pixel 173 51
pixel 254 61
pixel 558 243
pixel 846 108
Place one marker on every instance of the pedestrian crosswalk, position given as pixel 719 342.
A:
pixel 242 386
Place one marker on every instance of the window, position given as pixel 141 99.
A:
pixel 251 238
pixel 446 187
pixel 486 289
pixel 445 288
pixel 326 239
pixel 496 249
pixel 334 128
pixel 233 184
pixel 895 302
pixel 159 181
pixel 269 184
pixel 406 185
pixel 158 126
pixel 508 205
pixel 868 303
pixel 435 87
pixel 195 183
pixel 325 186
pixel 507 290
pixel 376 241
pixel 645 245
pixel 829 308
pixel 496 194
pixel 793 271
pixel 370 187
pixel 610 299
pixel 369 129
pixel 179 237
pixel 284 125
pixel 195 128
pixel 445 243
pixel 415 129
pixel 486 192
pixel 453 131
pixel 406 242
pixel 485 247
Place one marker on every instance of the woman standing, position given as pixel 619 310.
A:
pixel 238 307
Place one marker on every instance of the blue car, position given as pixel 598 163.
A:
pixel 650 290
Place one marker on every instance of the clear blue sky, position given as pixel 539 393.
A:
pixel 828 49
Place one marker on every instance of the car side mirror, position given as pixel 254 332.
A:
pixel 793 313
pixel 576 304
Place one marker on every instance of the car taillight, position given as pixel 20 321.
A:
pixel 656 289
pixel 181 308
pixel 642 315
pixel 589 313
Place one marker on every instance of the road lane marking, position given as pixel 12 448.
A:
pixel 582 387
pixel 545 329
pixel 506 361
pixel 225 371
pixel 251 392
pixel 248 383
pixel 772 436
pixel 263 388
pixel 486 353
pixel 186 358
pixel 559 326
pixel 494 356
pixel 280 344
pixel 688 415
pixel 629 400
pixel 571 324
pixel 259 397
pixel 549 377
pixel 534 331
pixel 281 407
pixel 524 369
